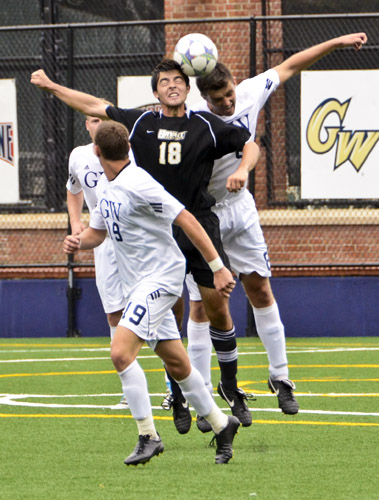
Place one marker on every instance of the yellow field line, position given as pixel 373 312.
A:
pixel 53 345
pixel 293 422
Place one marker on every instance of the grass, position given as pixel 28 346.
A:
pixel 75 450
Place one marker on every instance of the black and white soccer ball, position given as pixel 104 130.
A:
pixel 196 54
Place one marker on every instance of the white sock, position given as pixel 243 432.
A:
pixel 217 419
pixel 134 386
pixel 196 394
pixel 112 331
pixel 200 349
pixel 146 427
pixel 271 332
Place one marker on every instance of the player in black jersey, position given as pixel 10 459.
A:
pixel 177 148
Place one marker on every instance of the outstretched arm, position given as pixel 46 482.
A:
pixel 86 103
pixel 250 156
pixel 223 279
pixel 89 238
pixel 306 58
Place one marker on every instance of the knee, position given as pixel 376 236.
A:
pixel 197 312
pixel 178 371
pixel 221 319
pixel 120 358
pixel 258 290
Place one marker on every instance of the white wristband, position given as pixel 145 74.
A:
pixel 216 264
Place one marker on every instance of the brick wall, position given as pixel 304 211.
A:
pixel 292 242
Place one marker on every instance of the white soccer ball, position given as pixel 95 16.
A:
pixel 196 54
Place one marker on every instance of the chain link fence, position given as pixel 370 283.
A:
pixel 90 57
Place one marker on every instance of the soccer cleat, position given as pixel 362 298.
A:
pixel 145 449
pixel 123 401
pixel 203 425
pixel 236 400
pixel 224 440
pixel 182 415
pixel 286 399
pixel 122 405
pixel 167 401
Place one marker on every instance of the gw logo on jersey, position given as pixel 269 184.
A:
pixel 6 143
pixel 354 146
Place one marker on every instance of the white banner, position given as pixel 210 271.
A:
pixel 9 187
pixel 340 134
pixel 136 92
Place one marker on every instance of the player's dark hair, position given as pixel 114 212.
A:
pixel 217 79
pixel 163 67
pixel 112 138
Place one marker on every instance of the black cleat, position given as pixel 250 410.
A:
pixel 182 415
pixel 236 401
pixel 203 425
pixel 224 440
pixel 286 399
pixel 145 449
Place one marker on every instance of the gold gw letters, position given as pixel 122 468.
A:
pixel 354 146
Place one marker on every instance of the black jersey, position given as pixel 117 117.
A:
pixel 179 152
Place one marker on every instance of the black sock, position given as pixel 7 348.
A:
pixel 175 389
pixel 225 345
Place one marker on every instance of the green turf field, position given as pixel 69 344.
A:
pixel 61 438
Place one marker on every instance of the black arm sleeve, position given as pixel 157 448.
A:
pixel 125 116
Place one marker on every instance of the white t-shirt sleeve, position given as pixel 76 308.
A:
pixel 97 221
pixel 73 184
pixel 261 86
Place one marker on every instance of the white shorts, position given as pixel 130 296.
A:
pixel 107 278
pixel 148 314
pixel 193 289
pixel 242 236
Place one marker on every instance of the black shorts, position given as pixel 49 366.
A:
pixel 196 264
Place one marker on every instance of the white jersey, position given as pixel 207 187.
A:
pixel 138 213
pixel 251 96
pixel 85 171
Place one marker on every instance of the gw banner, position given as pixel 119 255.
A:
pixel 340 134
pixel 9 185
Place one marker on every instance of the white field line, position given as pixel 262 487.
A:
pixel 42 360
pixel 36 360
pixel 12 400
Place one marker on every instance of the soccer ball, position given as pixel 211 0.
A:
pixel 196 54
